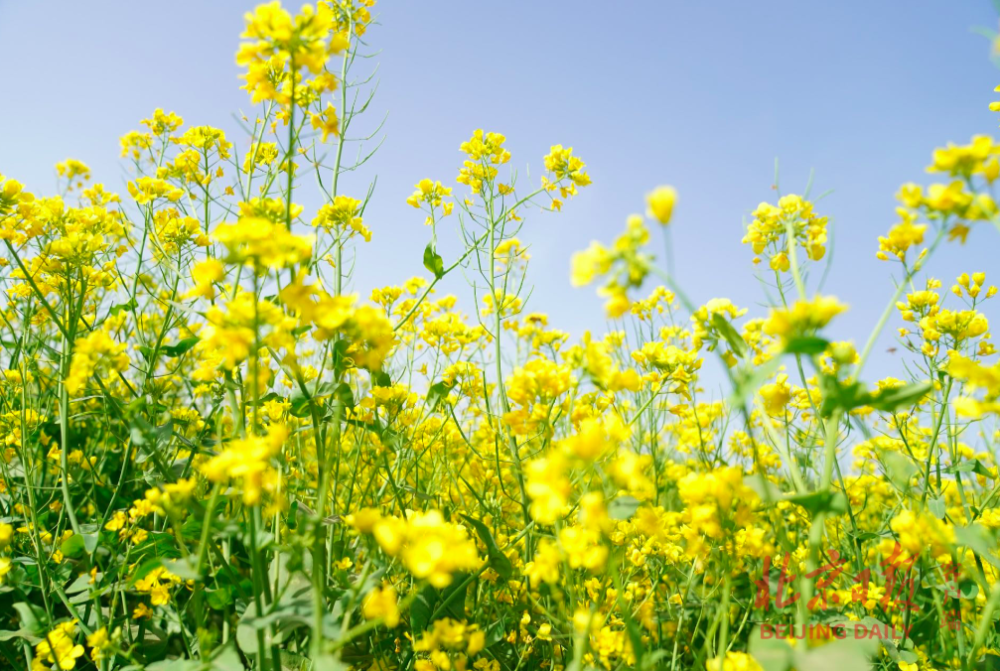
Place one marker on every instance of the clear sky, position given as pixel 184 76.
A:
pixel 701 95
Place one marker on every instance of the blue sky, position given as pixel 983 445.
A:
pixel 701 95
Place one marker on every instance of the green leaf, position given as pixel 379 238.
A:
pixel 8 634
pixel 117 309
pixel 160 545
pixel 863 536
pixel 806 345
pixel 175 665
pixel 439 603
pixel 90 541
pixel 172 351
pixel 821 502
pixel 437 394
pixel 227 659
pixel 421 609
pixel 837 395
pixel 300 406
pixel 622 507
pixel 498 560
pixel 452 598
pixel 730 334
pixel 433 261
pixel 73 546
pixel 891 399
pixel 847 654
pixel 299 400
pixel 29 619
pixel 246 632
pixel 180 347
pixel 266 398
pixel 763 489
pixel 847 397
pixel 496 632
pixel 977 539
pixel 342 392
pixel 899 468
pixel 969 466
pixel 937 507
pixel 218 599
pixel 293 662
pixel 328 662
pixel 144 569
pixel 747 380
pixel 773 654
pixel 81 584
pixel 968 589
pixel 185 568
pixel 986 32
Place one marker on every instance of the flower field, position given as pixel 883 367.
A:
pixel 217 457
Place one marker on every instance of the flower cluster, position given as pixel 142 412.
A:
pixel 776 229
pixel 214 454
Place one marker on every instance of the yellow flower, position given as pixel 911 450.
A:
pixel 776 395
pixel 591 263
pixel 71 169
pixel 327 122
pixel 162 122
pixel 772 223
pixel 548 487
pixel 734 661
pixel 661 201
pixel 343 217
pixel 901 237
pixel 262 243
pixel 261 153
pixel 205 138
pixel 206 274
pixel 625 264
pixel 485 150
pixel 249 461
pixel 149 189
pixel 918 532
pixel 141 612
pixel 561 163
pixel 545 566
pixel 58 647
pixel 279 47
pixel 713 499
pixel 596 436
pixel 429 546
pixel 364 520
pixel 134 143
pixel 99 642
pixel 96 352
pixel 157 583
pixel 964 160
pixel 803 317
pixel 486 146
pixel 431 193
pixel 382 602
